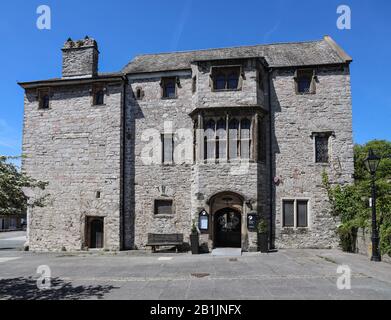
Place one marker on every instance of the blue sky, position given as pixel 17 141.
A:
pixel 127 28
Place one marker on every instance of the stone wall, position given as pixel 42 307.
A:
pixel 76 147
pixel 295 118
pixel 364 244
pixel 146 119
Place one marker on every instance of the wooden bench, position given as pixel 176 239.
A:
pixel 159 240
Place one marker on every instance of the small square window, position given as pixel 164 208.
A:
pixel 163 207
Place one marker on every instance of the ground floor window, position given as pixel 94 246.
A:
pixel 163 207
pixel 295 213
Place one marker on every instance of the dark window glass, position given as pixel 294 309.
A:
pixel 139 94
pixel 302 214
pixel 99 97
pixel 168 148
pixel 233 81
pixel 304 85
pixel 45 100
pixel 289 214
pixel 163 207
pixel 169 88
pixel 220 82
pixel 194 85
pixel 322 149
pixel 226 78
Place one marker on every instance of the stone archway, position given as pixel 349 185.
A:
pixel 227 220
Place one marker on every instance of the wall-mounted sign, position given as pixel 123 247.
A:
pixel 204 221
pixel 252 221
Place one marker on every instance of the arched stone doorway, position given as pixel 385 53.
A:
pixel 227 214
pixel 228 228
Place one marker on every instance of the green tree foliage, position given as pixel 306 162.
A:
pixel 351 203
pixel 12 184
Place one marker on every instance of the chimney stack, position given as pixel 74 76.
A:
pixel 80 58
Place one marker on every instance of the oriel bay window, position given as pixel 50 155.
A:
pixel 227 138
pixel 226 78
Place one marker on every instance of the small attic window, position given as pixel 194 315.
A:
pixel 305 81
pixel 44 99
pixel 99 97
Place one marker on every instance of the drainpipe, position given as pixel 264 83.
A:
pixel 271 240
pixel 122 171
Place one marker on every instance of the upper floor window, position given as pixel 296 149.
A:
pixel 210 140
pixel 305 81
pixel 99 97
pixel 167 148
pixel 194 85
pixel 139 93
pixel 322 147
pixel 44 99
pixel 226 78
pixel 169 88
pixel 227 140
pixel 245 139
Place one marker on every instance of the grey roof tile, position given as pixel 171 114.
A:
pixel 320 52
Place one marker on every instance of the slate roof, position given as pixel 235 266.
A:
pixel 312 53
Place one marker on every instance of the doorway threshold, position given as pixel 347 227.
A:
pixel 227 252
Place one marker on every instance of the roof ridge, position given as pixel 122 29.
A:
pixel 233 47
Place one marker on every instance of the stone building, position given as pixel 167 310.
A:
pixel 223 138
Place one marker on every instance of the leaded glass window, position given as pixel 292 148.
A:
pixel 322 148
